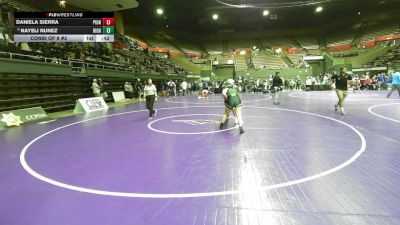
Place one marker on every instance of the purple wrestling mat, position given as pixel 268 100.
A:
pixel 297 163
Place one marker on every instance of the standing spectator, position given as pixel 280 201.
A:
pixel 205 85
pixel 139 89
pixel 184 86
pixel 150 94
pixel 95 88
pixel 325 80
pixel 292 84
pixel 189 88
pixel 395 84
pixel 126 89
pixel 195 86
pixel 355 84
pixel 276 87
pixel 172 88
pixel 381 80
pixel 103 90
pixel 131 90
pixel 286 82
pixel 298 82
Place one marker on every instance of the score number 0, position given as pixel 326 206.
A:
pixel 108 21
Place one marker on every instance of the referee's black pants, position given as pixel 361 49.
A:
pixel 150 104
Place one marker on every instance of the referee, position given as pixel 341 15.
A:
pixel 341 82
pixel 150 94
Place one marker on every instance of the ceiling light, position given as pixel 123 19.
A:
pixel 254 47
pixel 359 13
pixel 215 16
pixel 319 9
pixel 265 13
pixel 160 11
pixel 279 50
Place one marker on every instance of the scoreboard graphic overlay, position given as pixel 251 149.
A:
pixel 64 27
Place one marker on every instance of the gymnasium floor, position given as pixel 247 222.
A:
pixel 297 163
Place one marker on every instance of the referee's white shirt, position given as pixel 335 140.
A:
pixel 150 90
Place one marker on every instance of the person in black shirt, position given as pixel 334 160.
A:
pixel 277 83
pixel 341 82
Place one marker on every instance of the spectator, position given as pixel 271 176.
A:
pixel 103 90
pixel 277 84
pixel 171 88
pixel 95 88
pixel 395 84
pixel 139 89
pixel 184 86
pixel 128 90
pixel 189 88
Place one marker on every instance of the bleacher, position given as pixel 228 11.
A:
pixel 347 54
pixel 392 57
pixel 240 63
pixel 222 59
pixel 263 61
pixel 342 39
pixel 188 47
pixel 159 43
pixel 297 60
pixel 308 43
pixel 379 31
pixel 280 42
pixel 313 52
pixel 53 93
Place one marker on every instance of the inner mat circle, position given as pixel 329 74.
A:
pixel 215 99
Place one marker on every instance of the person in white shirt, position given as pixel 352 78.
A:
pixel 184 86
pixel 172 88
pixel 95 88
pixel 325 80
pixel 150 94
pixel 126 90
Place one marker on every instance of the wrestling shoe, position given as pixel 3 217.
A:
pixel 241 131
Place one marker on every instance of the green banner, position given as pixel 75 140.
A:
pixel 21 116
